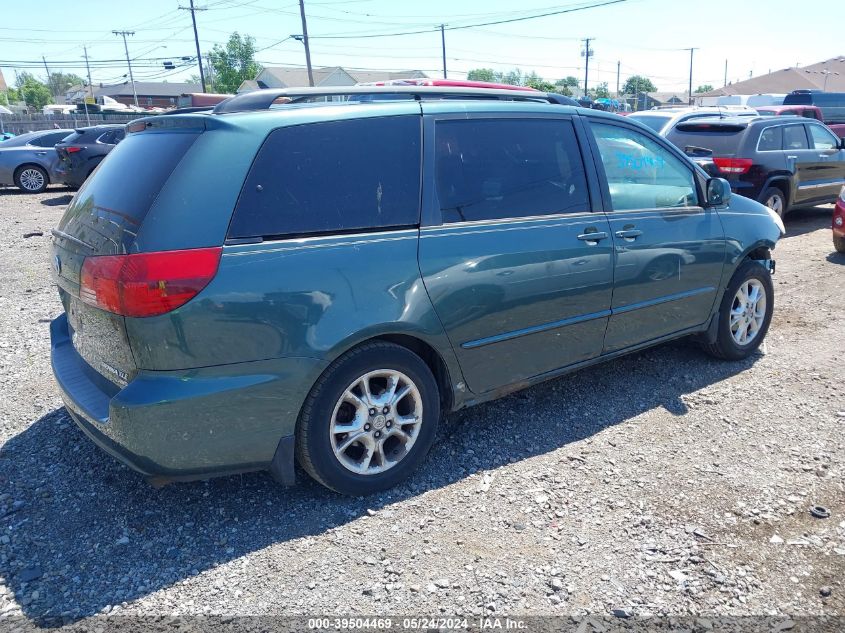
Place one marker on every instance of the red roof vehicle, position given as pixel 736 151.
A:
pixel 458 83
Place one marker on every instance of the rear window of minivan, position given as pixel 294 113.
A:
pixel 334 176
pixel 128 181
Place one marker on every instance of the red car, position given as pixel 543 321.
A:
pixel 839 223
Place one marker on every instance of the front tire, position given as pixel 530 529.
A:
pixel 31 179
pixel 745 313
pixel 773 198
pixel 370 419
pixel 839 244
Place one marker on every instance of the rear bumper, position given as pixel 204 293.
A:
pixel 189 424
pixel 69 175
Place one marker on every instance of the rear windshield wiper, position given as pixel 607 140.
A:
pixel 71 238
pixel 698 152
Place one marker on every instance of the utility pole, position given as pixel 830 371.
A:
pixel 193 11
pixel 128 62
pixel 726 73
pixel 90 86
pixel 586 53
pixel 305 41
pixel 49 78
pixel 443 45
pixel 210 70
pixel 690 73
pixel 618 68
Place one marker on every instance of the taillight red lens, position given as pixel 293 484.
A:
pixel 72 149
pixel 147 284
pixel 733 165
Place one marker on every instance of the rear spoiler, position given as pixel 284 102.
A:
pixel 710 126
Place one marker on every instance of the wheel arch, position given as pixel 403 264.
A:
pixel 23 166
pixel 782 182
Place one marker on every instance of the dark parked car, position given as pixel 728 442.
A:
pixel 318 283
pixel 81 152
pixel 29 161
pixel 783 162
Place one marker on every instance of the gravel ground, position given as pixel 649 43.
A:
pixel 664 483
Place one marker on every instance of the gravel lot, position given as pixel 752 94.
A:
pixel 665 483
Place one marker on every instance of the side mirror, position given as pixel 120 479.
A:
pixel 718 192
pixel 842 143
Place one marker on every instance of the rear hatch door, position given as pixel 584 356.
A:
pixel 103 219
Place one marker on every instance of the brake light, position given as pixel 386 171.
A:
pixel 733 165
pixel 72 149
pixel 147 284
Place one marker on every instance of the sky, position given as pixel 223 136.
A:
pixel 646 37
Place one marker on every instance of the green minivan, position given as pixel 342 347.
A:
pixel 317 281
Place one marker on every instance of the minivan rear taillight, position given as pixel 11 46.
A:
pixel 72 149
pixel 733 165
pixel 147 284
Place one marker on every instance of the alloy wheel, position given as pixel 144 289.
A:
pixel 775 203
pixel 32 179
pixel 376 421
pixel 748 311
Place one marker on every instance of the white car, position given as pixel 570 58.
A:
pixel 663 120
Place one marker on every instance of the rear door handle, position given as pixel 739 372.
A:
pixel 629 234
pixel 592 236
pixel 40 153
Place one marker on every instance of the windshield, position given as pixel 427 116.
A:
pixel 656 123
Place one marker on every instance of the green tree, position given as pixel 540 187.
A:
pixel 564 86
pixel 34 92
pixel 601 91
pixel 533 80
pixel 482 74
pixel 235 63
pixel 61 82
pixel 704 88
pixel 638 83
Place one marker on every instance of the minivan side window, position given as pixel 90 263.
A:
pixel 822 139
pixel 641 173
pixel 334 176
pixel 794 137
pixel 490 169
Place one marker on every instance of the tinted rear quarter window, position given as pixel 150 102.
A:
pixel 508 168
pixel 49 140
pixel 337 176
pixel 771 139
pixel 126 185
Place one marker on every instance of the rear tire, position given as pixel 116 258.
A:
pixel 31 179
pixel 773 198
pixel 839 244
pixel 388 399
pixel 744 314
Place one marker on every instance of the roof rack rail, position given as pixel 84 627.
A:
pixel 263 99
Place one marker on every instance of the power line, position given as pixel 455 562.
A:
pixel 471 26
